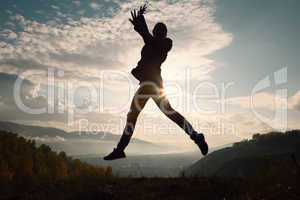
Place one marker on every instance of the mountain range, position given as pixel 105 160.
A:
pixel 79 143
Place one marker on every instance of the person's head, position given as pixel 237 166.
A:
pixel 160 30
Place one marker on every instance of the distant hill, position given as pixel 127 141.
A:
pixel 78 143
pixel 261 154
pixel 159 165
pixel 49 132
pixel 153 165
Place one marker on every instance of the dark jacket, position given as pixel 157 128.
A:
pixel 153 54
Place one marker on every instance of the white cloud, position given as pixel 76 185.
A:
pixel 95 6
pixel 55 7
pixel 265 100
pixel 260 100
pixel 90 45
pixel 19 19
pixel 84 47
pixel 8 34
pixel 294 102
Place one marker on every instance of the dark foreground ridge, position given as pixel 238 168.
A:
pixel 162 188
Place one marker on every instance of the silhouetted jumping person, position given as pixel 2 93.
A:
pixel 148 72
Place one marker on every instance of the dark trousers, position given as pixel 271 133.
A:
pixel 143 94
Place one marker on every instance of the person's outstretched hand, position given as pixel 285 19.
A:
pixel 134 18
pixel 142 9
pixel 135 15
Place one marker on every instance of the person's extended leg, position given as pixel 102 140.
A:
pixel 138 103
pixel 164 105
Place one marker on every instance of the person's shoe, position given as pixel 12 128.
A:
pixel 199 139
pixel 116 154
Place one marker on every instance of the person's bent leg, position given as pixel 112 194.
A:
pixel 164 105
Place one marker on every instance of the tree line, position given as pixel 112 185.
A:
pixel 22 160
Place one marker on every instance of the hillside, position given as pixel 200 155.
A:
pixel 250 158
pixel 23 163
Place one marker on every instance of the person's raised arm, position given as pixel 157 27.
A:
pixel 140 25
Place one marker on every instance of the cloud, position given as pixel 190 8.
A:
pixel 260 100
pixel 265 100
pixel 294 102
pixel 83 47
pixel 93 44
pixel 36 97
pixel 265 112
pixel 95 6
pixel 55 7
pixel 28 94
pixel 9 34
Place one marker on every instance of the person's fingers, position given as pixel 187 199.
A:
pixel 139 11
pixel 132 15
pixel 131 21
pixel 135 13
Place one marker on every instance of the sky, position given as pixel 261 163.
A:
pixel 233 69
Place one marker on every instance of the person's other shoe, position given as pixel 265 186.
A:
pixel 116 154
